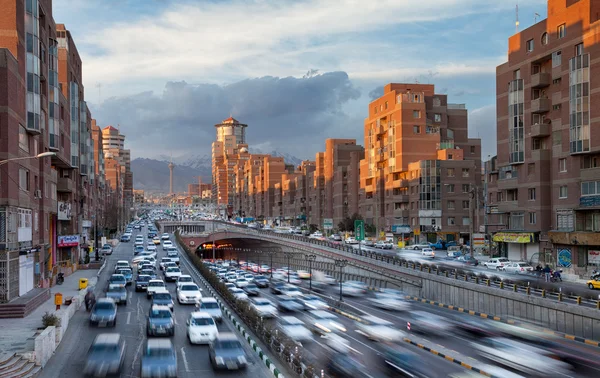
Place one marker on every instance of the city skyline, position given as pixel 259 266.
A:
pixel 351 70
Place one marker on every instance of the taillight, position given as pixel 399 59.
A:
pixel 522 269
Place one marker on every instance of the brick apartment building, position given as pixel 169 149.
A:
pixel 544 184
pixel 419 165
pixel 46 204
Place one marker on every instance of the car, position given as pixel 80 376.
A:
pixel 118 293
pixel 153 286
pixel 367 243
pixel 151 235
pixel 295 329
pixel 391 303
pixel 143 255
pixel 174 256
pixel 467 260
pixel 156 241
pixel 165 236
pixel 383 244
pixel 137 227
pixel 172 273
pixel 290 304
pixel 313 302
pixel 264 307
pixel 303 274
pixel 354 288
pixel 201 328
pixel 211 306
pixel 378 329
pixel 517 268
pixel 336 237
pixel 104 313
pixel 138 249
pixel 159 359
pixel 128 273
pixel 141 282
pixel 351 241
pixel 241 283
pixel 251 289
pixel 239 294
pixel 163 261
pixel 160 321
pixel 418 247
pixel 496 263
pixel 230 286
pixel 162 298
pixel 106 356
pixel 264 269
pixel 151 248
pixel 117 279
pixel 428 253
pixel 188 293
pixel 399 361
pixel 125 238
pixel 277 287
pixel 593 284
pixel 227 352
pixel 148 272
pixel 428 323
pixel 106 249
pixel 324 322
pixel 261 281
pixel 291 291
pixel 249 277
pixel 122 264
pixel 167 244
pixel 231 278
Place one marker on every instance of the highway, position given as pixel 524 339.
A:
pixel 70 356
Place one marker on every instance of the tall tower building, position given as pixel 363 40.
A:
pixel 171 166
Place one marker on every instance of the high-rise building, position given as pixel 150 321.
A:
pixel 114 144
pixel 420 168
pixel 544 185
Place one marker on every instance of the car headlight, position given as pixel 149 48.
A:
pixel 94 317
pixel 152 326
pixel 219 360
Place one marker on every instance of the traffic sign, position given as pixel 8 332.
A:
pixel 359 229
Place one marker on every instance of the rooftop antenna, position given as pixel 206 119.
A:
pixel 517 18
pixel 535 17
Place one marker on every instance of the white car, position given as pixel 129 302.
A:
pixel 211 306
pixel 378 329
pixel 351 241
pixel 174 256
pixel 390 303
pixel 313 302
pixel 428 253
pixel 517 268
pixel 496 263
pixel 154 286
pixel 184 278
pixel 172 274
pixel 241 283
pixel 325 322
pixel 316 235
pixel 417 247
pixel 122 264
pixel 264 307
pixel 163 261
pixel 291 291
pixel 188 293
pixel 295 329
pixel 239 294
pixel 167 244
pixel 151 248
pixel 201 328
pixel 165 236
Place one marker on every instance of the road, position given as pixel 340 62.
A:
pixel 70 356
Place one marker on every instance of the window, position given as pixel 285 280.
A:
pixel 499 196
pixel 562 192
pixel 556 59
pixel 516 221
pixel 529 45
pixel 450 188
pixel 450 133
pixel 564 220
pixel 579 49
pixel 449 156
pixel 556 107
pixel 450 205
pixel 530 168
pixel 562 165
pixel 450 172
pixel 437 117
pixel 516 74
pixel 561 31
pixel 465 172
pixel 416 114
pixel 465 205
pixel 466 221
pixel 386 104
pixel 544 39
pixel 23 179
pixel 451 221
pixel 532 218
pixel 590 188
pixel 531 194
pixel 588 162
pixel 23 138
pixel 417 129
pixel 466 188
pixel 472 149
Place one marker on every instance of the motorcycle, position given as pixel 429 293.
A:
pixel 555 276
pixel 595 275
pixel 60 279
pixel 89 304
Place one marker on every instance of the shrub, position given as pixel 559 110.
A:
pixel 49 320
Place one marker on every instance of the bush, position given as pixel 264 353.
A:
pixel 50 320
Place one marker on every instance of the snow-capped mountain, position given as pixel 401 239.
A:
pixel 204 161
pixel 289 159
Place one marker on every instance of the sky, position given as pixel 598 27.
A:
pixel 296 71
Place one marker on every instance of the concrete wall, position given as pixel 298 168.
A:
pixel 45 345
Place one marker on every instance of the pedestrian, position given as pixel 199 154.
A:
pixel 547 272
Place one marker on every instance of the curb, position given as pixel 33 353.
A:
pixel 348 315
pixel 507 321
pixel 101 268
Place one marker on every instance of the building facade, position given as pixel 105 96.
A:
pixel 543 186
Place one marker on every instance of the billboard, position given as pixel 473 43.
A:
pixel 68 241
pixel 64 210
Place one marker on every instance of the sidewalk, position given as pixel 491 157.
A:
pixel 18 334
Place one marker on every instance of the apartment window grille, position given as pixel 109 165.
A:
pixel 515 121
pixel 579 103
pixel 565 220
pixel 437 117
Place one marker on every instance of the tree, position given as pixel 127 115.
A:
pixel 348 223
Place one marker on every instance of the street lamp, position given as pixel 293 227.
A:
pixel 288 255
pixel 38 156
pixel 310 259
pixel 341 263
pixel 258 263
pixel 271 253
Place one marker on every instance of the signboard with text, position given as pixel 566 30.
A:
pixel 64 210
pixel 68 241
pixel 401 229
pixel 328 224
pixel 594 257
pixel 359 229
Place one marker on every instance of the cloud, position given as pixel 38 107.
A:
pixel 289 113
pixel 482 124
pixel 376 93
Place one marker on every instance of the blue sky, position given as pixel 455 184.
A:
pixel 225 48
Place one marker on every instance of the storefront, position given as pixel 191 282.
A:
pixel 68 247
pixel 576 252
pixel 516 246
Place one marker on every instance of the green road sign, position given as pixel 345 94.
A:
pixel 359 230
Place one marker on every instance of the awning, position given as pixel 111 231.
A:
pixel 513 237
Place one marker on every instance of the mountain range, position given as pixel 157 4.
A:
pixel 152 175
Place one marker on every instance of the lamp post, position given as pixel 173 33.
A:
pixel 38 156
pixel 271 253
pixel 341 263
pixel 288 255
pixel 310 259
pixel 258 263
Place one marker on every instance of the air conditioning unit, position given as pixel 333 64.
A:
pixel 38 194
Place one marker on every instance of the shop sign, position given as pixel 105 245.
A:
pixel 401 229
pixel 594 257
pixel 68 241
pixel 513 237
pixel 564 258
pixel 589 201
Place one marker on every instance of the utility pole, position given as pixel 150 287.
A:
pixel 471 208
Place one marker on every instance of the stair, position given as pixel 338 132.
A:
pixel 15 366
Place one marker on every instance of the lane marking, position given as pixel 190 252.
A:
pixel 185 361
pixel 129 318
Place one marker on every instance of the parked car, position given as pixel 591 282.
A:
pixel 105 356
pixel 517 267
pixel 418 247
pixel 106 249
pixel 496 263
pixel 351 241
pixel 159 359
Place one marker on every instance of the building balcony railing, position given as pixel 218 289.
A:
pixel 399 198
pixel 400 183
pixel 542 154
pixel 64 185
pixel 508 183
pixel 508 206
pixel 541 130
pixel 401 213
pixel 445 145
pixel 589 174
pixel 540 105
pixel 541 80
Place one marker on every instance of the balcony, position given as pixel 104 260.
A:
pixel 589 174
pixel 398 213
pixel 540 105
pixel 540 80
pixel 399 198
pixel 508 206
pixel 400 183
pixel 542 154
pixel 64 185
pixel 369 188
pixel 508 183
pixel 541 130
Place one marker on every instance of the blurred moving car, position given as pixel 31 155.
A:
pixel 160 321
pixel 354 288
pixel 277 287
pixel 496 263
pixel 401 362
pixel 188 293
pixel 290 304
pixel 227 352
pixel 428 253
pixel 264 307
pixel 519 267
pixel 162 298
pixel 105 356
pixel 324 322
pixel 251 289
pixel 211 306
pixel 201 328
pixel 313 302
pixel 291 291
pixel 295 329
pixel 593 284
pixel 104 313
pixel 378 329
pixel 391 303
pixel 239 294
pixel 117 293
pixel 261 281
pixel 159 359
pixel 425 322
pixel 345 365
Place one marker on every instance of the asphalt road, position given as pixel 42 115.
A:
pixel 70 356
